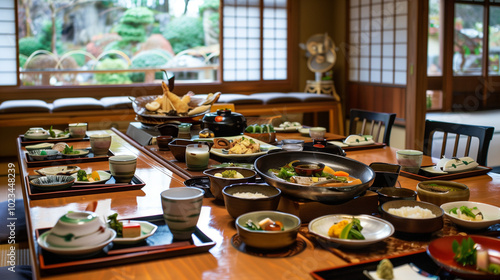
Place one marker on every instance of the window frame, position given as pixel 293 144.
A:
pixel 50 93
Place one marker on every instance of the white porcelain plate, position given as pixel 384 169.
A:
pixel 74 251
pixel 264 147
pixel 57 132
pixel 147 229
pixel 40 146
pixel 374 229
pixel 58 170
pixel 102 174
pixel 287 129
pixel 82 153
pixel 491 214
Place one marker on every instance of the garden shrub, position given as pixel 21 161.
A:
pixel 112 78
pixel 149 58
pixel 184 33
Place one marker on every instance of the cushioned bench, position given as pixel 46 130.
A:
pixel 119 108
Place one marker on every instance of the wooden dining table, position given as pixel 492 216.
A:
pixel 222 261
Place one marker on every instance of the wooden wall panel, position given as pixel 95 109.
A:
pixel 376 98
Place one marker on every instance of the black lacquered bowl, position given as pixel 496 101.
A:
pixel 316 193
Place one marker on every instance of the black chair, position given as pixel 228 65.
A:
pixel 376 120
pixel 483 133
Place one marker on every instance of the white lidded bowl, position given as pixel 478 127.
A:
pixel 78 229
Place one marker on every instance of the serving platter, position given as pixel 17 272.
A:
pixel 24 141
pixel 160 245
pixel 356 271
pixel 84 189
pixel 242 157
pixel 64 159
pixel 423 175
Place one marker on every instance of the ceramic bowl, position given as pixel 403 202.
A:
pixel 123 167
pixel 77 130
pixel 491 214
pixel 78 229
pixel 178 148
pixel 413 225
pixel 390 193
pixel 438 191
pixel 308 168
pixel 218 183
pixel 238 200
pixel 268 240
pixel 53 182
pixel 163 141
pixel 201 182
pixel 317 132
pixel 43 154
pixel 100 143
pixel 36 133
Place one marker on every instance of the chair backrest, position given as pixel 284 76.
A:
pixel 483 133
pixel 376 121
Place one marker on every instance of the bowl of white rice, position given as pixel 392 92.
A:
pixel 410 216
pixel 248 197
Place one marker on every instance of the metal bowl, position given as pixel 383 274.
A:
pixel 322 194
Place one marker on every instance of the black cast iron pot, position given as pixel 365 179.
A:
pixel 225 123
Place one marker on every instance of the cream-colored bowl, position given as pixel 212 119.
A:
pixel 78 229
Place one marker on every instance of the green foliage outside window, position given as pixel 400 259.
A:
pixel 184 33
pixel 112 78
pixel 152 58
pixel 132 24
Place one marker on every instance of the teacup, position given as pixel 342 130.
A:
pixel 181 210
pixel 78 229
pixel 122 167
pixel 163 141
pixel 197 156
pixel 317 133
pixel 100 144
pixel 77 130
pixel 410 160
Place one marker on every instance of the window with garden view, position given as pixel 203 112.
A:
pixel 82 42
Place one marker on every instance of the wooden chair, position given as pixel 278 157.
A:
pixel 376 120
pixel 483 133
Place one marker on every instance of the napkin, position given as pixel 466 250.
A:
pixel 404 272
pixel 456 164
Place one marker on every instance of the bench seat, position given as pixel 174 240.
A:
pixel 119 108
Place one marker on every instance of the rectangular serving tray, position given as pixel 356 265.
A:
pixel 423 176
pixel 60 160
pixel 159 245
pixel 26 142
pixel 83 189
pixel 355 271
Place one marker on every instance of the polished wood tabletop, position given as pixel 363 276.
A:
pixel 223 261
